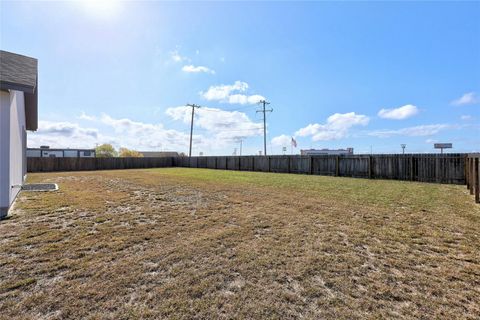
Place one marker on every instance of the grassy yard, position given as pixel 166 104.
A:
pixel 194 243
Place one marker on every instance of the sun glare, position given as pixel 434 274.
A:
pixel 102 8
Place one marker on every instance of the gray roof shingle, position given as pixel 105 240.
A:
pixel 20 73
pixel 17 72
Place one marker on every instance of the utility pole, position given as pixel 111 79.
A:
pixel 191 125
pixel 241 141
pixel 403 145
pixel 264 111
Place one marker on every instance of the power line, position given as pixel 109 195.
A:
pixel 191 126
pixel 228 130
pixel 211 109
pixel 264 111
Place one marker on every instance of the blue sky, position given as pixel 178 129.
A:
pixel 368 75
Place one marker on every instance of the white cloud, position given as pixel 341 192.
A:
pixel 222 92
pixel 63 134
pixel 244 99
pixel 126 133
pixel 467 98
pixel 282 140
pixel 220 124
pixel 417 131
pixel 196 69
pixel 232 94
pixel 176 57
pixel 399 113
pixel 337 127
pixel 84 116
pixel 466 117
pixel 215 130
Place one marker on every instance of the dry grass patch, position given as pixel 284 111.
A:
pixel 192 243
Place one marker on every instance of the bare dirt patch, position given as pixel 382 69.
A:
pixel 186 243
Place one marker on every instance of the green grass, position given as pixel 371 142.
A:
pixel 370 192
pixel 195 243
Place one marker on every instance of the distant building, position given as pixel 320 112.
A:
pixel 317 152
pixel 18 113
pixel 46 152
pixel 158 154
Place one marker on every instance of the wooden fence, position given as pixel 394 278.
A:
pixel 438 168
pixel 472 175
pixel 449 168
pixel 81 164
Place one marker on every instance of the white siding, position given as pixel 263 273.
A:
pixel 70 153
pixel 52 153
pixel 12 147
pixel 4 151
pixel 33 153
pixel 18 140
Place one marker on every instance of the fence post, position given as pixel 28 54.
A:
pixel 289 159
pixel 477 181
pixel 472 176
pixel 465 161
pixel 337 167
pixel 370 167
pixel 268 162
pixel 411 168
pixel 311 164
pixel 467 172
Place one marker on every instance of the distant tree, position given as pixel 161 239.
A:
pixel 105 150
pixel 127 153
pixel 182 154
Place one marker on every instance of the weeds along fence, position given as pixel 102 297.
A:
pixel 82 164
pixel 472 175
pixel 438 168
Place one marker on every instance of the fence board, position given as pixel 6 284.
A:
pixel 300 164
pixel 279 164
pixel 261 164
pixel 233 163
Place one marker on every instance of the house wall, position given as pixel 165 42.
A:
pixel 52 153
pixel 60 153
pixel 87 154
pixel 70 153
pixel 4 152
pixel 34 153
pixel 18 143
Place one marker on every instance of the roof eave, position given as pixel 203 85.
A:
pixel 5 85
pixel 31 109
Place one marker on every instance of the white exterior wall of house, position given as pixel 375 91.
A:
pixel 18 143
pixel 12 147
pixel 4 152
